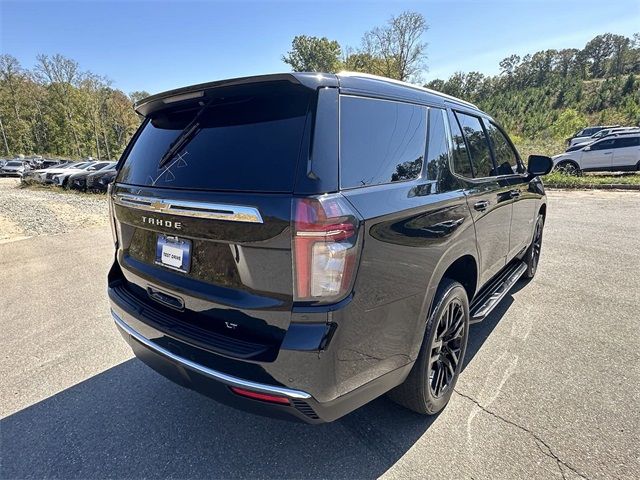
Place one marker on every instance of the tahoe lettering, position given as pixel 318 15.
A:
pixel 159 222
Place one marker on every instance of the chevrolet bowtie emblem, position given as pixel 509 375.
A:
pixel 159 206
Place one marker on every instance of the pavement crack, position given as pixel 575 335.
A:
pixel 543 446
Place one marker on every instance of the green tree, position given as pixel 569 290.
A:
pixel 399 46
pixel 313 54
pixel 568 122
pixel 138 95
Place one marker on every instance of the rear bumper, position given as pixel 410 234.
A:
pixel 302 376
pixel 217 384
pixel 213 383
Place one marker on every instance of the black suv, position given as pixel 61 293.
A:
pixel 299 244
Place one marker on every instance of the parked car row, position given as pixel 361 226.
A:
pixel 579 142
pixel 618 150
pixel 22 164
pixel 84 176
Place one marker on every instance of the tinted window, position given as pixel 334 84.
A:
pixel 380 141
pixel 248 140
pixel 437 160
pixel 98 166
pixel 461 163
pixel 505 155
pixel 603 144
pixel 624 142
pixel 478 145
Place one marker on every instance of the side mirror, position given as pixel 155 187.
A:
pixel 586 149
pixel 539 165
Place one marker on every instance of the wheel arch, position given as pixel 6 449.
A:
pixel 567 160
pixel 464 271
pixel 461 267
pixel 543 210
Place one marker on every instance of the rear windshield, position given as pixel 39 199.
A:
pixel 249 140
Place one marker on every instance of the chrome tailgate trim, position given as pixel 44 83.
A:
pixel 187 208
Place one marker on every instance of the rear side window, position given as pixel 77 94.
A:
pixel 437 160
pixel 505 156
pixel 380 141
pixel 478 145
pixel 248 140
pixel 624 142
pixel 461 162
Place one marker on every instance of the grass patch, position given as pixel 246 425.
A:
pixel 558 179
pixel 549 147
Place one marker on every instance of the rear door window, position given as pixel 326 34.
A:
pixel 249 141
pixel 603 144
pixel 380 141
pixel 478 145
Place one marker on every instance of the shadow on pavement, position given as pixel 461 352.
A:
pixel 130 422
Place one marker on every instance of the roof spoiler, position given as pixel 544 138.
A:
pixel 158 101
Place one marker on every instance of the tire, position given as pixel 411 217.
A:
pixel 429 385
pixel 569 167
pixel 532 257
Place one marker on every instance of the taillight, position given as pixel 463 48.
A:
pixel 325 248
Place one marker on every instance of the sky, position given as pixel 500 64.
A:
pixel 160 45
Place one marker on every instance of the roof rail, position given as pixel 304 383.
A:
pixel 406 84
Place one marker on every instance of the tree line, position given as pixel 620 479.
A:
pixel 57 109
pixel 553 93
pixel 547 94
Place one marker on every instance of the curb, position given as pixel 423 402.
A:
pixel 604 186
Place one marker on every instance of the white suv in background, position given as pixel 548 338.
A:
pixel 613 153
pixel 585 134
pixel 601 134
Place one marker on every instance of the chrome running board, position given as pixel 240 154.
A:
pixel 491 295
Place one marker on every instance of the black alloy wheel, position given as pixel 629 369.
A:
pixel 432 379
pixel 446 348
pixel 532 257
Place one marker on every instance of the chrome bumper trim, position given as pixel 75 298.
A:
pixel 213 374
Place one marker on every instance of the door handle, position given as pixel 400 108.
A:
pixel 481 205
pixel 607 153
pixel 514 193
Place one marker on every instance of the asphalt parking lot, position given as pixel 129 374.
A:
pixel 551 387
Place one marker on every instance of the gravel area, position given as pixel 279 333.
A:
pixel 27 212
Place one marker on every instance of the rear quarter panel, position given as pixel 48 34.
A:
pixel 411 236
